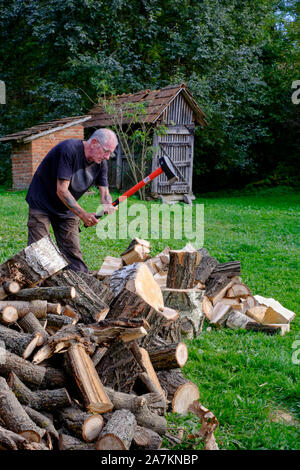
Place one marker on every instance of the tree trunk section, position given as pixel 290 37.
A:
pixel 181 273
pixel 171 356
pixel 83 425
pixel 42 421
pixel 37 307
pixel 52 294
pixel 180 391
pixel 30 324
pixel 146 439
pixel 118 432
pixel 67 442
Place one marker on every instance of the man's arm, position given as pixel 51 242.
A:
pixel 106 200
pixel 62 190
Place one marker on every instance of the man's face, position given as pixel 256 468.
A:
pixel 99 152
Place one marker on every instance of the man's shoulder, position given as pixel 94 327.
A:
pixel 70 144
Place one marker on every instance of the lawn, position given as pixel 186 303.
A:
pixel 248 380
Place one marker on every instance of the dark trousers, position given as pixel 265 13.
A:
pixel 66 233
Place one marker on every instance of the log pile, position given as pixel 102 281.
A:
pixel 92 362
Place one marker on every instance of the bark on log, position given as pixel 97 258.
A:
pixel 205 268
pixel 18 343
pixel 9 440
pixel 230 269
pixel 98 287
pixel 88 381
pixel 146 439
pixel 90 307
pixel 181 273
pixel 42 421
pixel 155 402
pixel 53 308
pixel 34 376
pixel 56 322
pixel 30 324
pixel 180 391
pixel 188 302
pixel 49 400
pixel 118 432
pixel 83 425
pixel 14 416
pixel 171 356
pixel 35 263
pixel 99 354
pixel 37 307
pixel 217 287
pixel 52 294
pixel 67 442
pixel 164 327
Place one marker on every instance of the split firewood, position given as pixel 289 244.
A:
pixel 155 402
pixel 87 380
pixel 138 250
pixel 53 294
pixel 220 313
pixel 275 312
pixel 171 356
pixel 9 288
pixel 10 440
pixel 118 432
pixel 209 425
pixel 22 344
pixel 86 426
pixel 56 322
pixel 8 314
pixel 217 287
pixel 14 416
pixel 67 442
pixel 109 265
pixel 98 287
pixel 42 421
pixel 68 311
pixel 271 329
pixel 135 292
pixel 188 328
pixel 247 302
pixel 32 375
pixel 90 307
pixel 99 354
pixel 230 269
pixel 238 290
pixel 145 439
pixel 205 268
pixel 237 319
pixel 30 324
pixel 35 263
pixel 188 302
pixel 53 308
pixel 161 279
pixel 41 399
pixel 257 313
pixel 143 359
pixel 180 391
pixel 165 327
pixel 37 307
pixel 207 307
pixel 181 273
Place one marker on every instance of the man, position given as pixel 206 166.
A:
pixel 64 175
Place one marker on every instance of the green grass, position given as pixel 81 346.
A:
pixel 243 377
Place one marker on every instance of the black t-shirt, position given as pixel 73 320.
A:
pixel 65 161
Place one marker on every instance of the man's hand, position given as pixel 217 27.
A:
pixel 109 208
pixel 89 219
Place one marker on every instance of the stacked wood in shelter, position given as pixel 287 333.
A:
pixel 89 364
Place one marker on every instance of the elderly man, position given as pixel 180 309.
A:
pixel 64 175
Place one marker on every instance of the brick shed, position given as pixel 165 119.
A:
pixel 30 146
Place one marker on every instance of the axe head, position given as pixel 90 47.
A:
pixel 169 169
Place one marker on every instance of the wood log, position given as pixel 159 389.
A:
pixel 118 432
pixel 188 302
pixel 11 441
pixel 35 263
pixel 229 269
pixel 238 319
pixel 68 311
pixel 34 376
pixel 238 290
pixel 8 288
pixel 119 368
pixel 165 327
pixel 90 307
pixel 143 359
pixel 14 416
pixel 275 313
pixel 30 324
pixel 135 254
pixel 83 425
pixel 53 294
pixel 180 391
pixel 205 268
pixel 99 288
pixel 220 313
pixel 146 439
pixel 155 402
pixel 49 400
pixel 217 287
pixel 67 442
pixel 99 354
pixel 171 356
pixel 18 343
pixel 37 307
pixel 181 273
pixel 42 421
pixel 135 292
pixel 53 308
pixel 8 314
pixel 87 380
pixel 56 322
pixel 109 265
pixel 207 307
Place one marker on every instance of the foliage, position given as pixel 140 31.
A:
pixel 239 59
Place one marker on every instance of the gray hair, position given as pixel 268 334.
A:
pixel 104 136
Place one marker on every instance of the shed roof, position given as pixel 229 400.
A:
pixel 44 128
pixel 155 104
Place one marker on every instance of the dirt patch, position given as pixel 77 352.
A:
pixel 282 416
